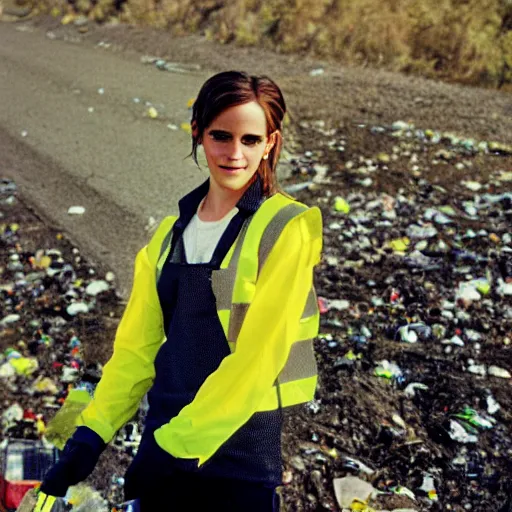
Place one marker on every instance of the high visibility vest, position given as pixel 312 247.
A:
pixel 234 286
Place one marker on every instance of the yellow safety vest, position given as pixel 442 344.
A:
pixel 234 285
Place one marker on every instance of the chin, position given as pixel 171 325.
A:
pixel 234 183
pixel 235 187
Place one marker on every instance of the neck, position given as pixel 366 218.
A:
pixel 219 202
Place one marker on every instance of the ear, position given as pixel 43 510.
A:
pixel 272 139
pixel 195 130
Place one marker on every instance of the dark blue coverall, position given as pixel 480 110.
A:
pixel 244 472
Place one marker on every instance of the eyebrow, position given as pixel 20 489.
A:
pixel 224 132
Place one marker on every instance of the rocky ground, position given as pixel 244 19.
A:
pixel 415 287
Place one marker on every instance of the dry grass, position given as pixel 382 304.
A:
pixel 469 41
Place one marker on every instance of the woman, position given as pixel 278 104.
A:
pixel 219 325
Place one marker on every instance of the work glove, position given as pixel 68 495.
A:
pixel 151 465
pixel 76 463
pixel 46 503
pixel 36 501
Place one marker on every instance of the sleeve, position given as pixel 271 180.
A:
pixel 231 395
pixel 130 372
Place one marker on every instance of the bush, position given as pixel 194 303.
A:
pixel 464 40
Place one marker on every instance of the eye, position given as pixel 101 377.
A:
pixel 251 141
pixel 220 137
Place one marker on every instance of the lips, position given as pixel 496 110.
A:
pixel 226 168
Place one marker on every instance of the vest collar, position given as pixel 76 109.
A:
pixel 248 203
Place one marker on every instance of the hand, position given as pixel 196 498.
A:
pixel 76 462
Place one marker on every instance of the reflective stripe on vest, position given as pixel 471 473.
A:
pixel 234 285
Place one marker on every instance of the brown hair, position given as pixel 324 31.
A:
pixel 232 88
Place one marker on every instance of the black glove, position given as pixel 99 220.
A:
pixel 76 463
pixel 151 467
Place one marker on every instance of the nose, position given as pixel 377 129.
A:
pixel 235 151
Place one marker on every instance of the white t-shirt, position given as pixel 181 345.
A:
pixel 201 238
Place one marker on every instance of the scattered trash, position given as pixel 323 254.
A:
pixel 354 464
pixel 10 319
pixel 458 433
pixel 339 305
pixel 478 369
pixel 152 112
pixel 400 245
pixel 472 185
pixel 85 499
pixel 388 370
pixel 297 187
pixel 492 405
pixel 403 491
pixel 410 390
pixel 473 418
pixel 186 128
pixel 428 487
pixel 496 371
pixel 77 307
pixel 350 488
pixel 341 205
pixel 96 287
pixel 76 210
pixel 173 67
pixel 151 225
pixel 317 72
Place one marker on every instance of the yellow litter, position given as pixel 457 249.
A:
pixel 152 112
pixel 24 365
pixel 340 205
pixel 186 128
pixel 400 244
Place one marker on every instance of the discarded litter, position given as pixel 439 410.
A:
pixel 388 370
pixel 473 418
pixel 317 72
pixel 478 369
pixel 354 464
pixel 400 490
pixel 496 371
pixel 428 487
pixel 410 390
pixel 492 405
pixel 349 488
pixel 341 205
pixel 77 307
pixel 76 210
pixel 96 287
pixel 297 187
pixel 459 433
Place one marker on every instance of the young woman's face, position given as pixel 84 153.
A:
pixel 234 145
